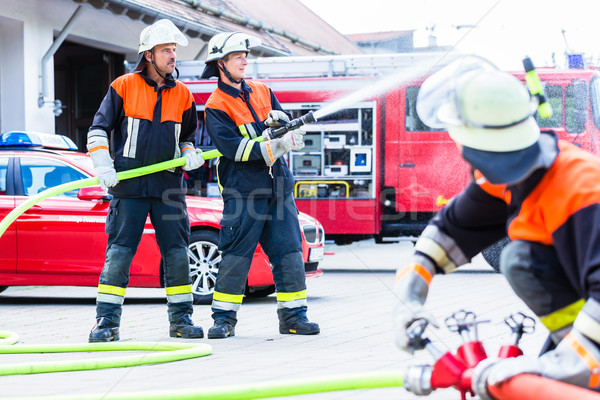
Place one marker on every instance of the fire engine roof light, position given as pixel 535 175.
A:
pixel 35 139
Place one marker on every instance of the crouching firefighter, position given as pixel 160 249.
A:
pixel 256 185
pixel 153 119
pixel 540 191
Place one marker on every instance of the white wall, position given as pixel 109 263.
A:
pixel 27 30
pixel 12 96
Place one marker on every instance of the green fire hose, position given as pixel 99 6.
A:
pixel 165 352
pixel 65 187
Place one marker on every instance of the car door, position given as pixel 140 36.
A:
pixel 8 241
pixel 64 234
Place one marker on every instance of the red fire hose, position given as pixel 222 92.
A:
pixel 533 387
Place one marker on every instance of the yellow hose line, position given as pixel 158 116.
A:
pixel 159 353
pixel 257 390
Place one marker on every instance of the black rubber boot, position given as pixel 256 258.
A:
pixel 104 331
pixel 185 328
pixel 293 321
pixel 221 330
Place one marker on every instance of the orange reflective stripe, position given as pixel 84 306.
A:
pixel 98 148
pixel 187 148
pixel 418 269
pixel 270 151
pixel 590 361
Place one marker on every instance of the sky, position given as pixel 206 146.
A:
pixel 504 31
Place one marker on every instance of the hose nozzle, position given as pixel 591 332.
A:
pixel 534 84
pixel 293 124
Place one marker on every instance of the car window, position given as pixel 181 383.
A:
pixel 3 171
pixel 39 174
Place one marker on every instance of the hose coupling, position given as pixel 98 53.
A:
pixel 417 379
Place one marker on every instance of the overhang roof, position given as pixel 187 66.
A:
pixel 285 27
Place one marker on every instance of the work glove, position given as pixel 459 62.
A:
pixel 193 156
pixel 291 141
pixel 103 165
pixel 410 290
pixel 276 119
pixel 567 363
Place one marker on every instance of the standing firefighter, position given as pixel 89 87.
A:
pixel 256 185
pixel 544 193
pixel 153 119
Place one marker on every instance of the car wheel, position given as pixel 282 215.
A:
pixel 204 257
pixel 492 253
pixel 3 288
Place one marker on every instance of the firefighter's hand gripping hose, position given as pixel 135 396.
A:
pixel 465 369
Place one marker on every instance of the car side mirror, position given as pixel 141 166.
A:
pixel 93 193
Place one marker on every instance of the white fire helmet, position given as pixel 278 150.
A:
pixel 161 32
pixel 226 43
pixel 229 42
pixel 481 107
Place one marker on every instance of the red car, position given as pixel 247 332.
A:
pixel 61 240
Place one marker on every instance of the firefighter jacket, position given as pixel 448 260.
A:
pixel 557 206
pixel 233 118
pixel 148 123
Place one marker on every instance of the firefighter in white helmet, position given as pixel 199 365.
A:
pixel 256 185
pixel 540 191
pixel 148 117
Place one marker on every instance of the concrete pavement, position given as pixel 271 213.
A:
pixel 351 301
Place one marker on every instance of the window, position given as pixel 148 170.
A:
pixel 595 100
pixel 3 171
pixel 39 174
pixel 554 94
pixel 412 122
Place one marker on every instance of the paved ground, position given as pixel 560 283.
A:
pixel 351 301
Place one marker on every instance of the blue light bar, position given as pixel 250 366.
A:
pixel 35 139
pixel 576 61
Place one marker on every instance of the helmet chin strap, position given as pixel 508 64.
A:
pixel 227 74
pixel 166 77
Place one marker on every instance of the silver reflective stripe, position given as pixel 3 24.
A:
pixel 177 133
pixel 96 133
pixel 179 298
pixel 240 150
pixel 251 130
pixel 226 306
pixel 133 127
pixel 292 303
pixel 110 298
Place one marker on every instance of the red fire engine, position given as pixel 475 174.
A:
pixel 373 168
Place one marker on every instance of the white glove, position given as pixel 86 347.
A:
pixel 193 158
pixel 107 176
pixel 276 118
pixel 561 364
pixel 293 140
pixel 103 165
pixel 405 313
pixel 411 292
